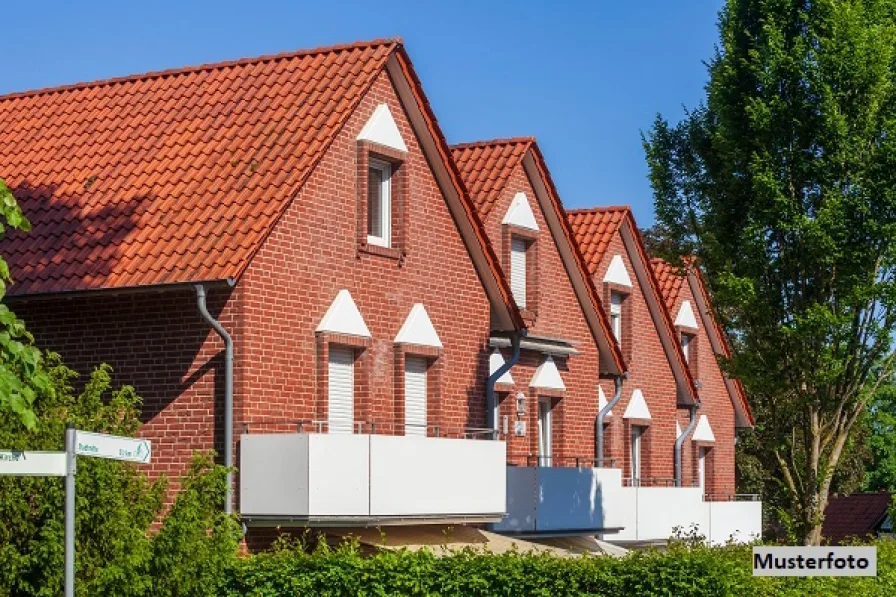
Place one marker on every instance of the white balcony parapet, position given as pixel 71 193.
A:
pixel 323 479
pixel 568 500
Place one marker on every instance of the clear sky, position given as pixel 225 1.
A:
pixel 583 77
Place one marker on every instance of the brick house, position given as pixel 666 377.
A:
pixel 292 267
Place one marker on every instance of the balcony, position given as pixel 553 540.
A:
pixel 579 499
pixel 365 479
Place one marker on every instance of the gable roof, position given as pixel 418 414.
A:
pixel 594 229
pixel 179 176
pixel 486 167
pixel 855 515
pixel 671 279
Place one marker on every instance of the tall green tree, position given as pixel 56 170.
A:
pixel 21 378
pixel 783 184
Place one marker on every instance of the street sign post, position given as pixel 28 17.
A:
pixel 32 464
pixel 64 464
pixel 115 447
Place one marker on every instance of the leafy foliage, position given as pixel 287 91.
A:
pixel 116 552
pixel 21 377
pixel 881 475
pixel 783 185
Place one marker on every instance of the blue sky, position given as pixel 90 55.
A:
pixel 583 77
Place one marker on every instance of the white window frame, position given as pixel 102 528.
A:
pixel 685 346
pixel 616 299
pixel 545 432
pixel 636 433
pixel 418 427
pixel 385 169
pixel 701 467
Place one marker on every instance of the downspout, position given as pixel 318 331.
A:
pixel 490 418
pixel 228 392
pixel 599 421
pixel 680 442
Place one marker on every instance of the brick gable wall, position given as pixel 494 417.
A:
pixel 716 405
pixel 559 315
pixel 649 371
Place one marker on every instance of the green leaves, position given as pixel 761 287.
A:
pixel 783 183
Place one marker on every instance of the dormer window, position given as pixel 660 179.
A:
pixel 685 343
pixel 519 269
pixel 379 203
pixel 616 300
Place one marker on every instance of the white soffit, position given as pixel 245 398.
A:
pixel 343 317
pixel 520 213
pixel 495 361
pixel 418 329
pixel 637 407
pixel 616 273
pixel 547 376
pixel 602 401
pixel 382 130
pixel 685 317
pixel 703 432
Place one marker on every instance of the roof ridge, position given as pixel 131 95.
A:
pixel 581 210
pixel 209 66
pixel 501 141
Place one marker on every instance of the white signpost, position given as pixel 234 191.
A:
pixel 64 464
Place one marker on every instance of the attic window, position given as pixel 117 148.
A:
pixel 379 203
pixel 616 300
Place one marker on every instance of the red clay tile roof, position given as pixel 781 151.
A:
pixel 486 167
pixel 594 229
pixel 670 280
pixel 172 176
pixel 854 515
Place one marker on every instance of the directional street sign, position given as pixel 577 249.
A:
pixel 32 464
pixel 112 446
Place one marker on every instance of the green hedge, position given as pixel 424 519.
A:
pixel 682 570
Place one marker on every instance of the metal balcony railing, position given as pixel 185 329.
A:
pixel 371 427
pixel 562 461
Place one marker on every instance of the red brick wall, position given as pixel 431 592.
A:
pixel 716 405
pixel 313 253
pixel 649 371
pixel 158 343
pixel 559 315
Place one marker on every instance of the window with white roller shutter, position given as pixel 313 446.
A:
pixel 341 384
pixel 415 395
pixel 518 248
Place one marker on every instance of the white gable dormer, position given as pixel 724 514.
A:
pixel 495 362
pixel 685 317
pixel 547 376
pixel 418 329
pixel 637 407
pixel 343 317
pixel 520 213
pixel 617 274
pixel 703 432
pixel 382 130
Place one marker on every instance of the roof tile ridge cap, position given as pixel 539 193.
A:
pixel 608 208
pixel 490 142
pixel 581 264
pixel 206 67
pixel 343 120
pixel 661 302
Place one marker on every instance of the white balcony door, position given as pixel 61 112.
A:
pixel 701 467
pixel 636 454
pixel 341 393
pixel 544 432
pixel 415 396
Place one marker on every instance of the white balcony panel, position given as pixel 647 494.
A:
pixel 417 476
pixel 335 478
pixel 559 499
pixel 737 521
